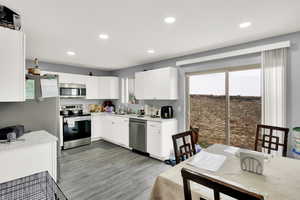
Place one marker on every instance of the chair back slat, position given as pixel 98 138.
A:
pixel 187 149
pixel 218 186
pixel 266 141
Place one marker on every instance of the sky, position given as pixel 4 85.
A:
pixel 243 83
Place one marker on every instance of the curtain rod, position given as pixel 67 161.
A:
pixel 240 52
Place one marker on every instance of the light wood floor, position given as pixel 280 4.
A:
pixel 106 171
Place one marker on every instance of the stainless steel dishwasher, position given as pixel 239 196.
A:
pixel 138 134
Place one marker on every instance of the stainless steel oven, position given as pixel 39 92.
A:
pixel 76 131
pixel 71 90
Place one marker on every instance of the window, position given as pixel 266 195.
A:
pixel 127 91
pixel 226 106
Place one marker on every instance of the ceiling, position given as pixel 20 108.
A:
pixel 54 27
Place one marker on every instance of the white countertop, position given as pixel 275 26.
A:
pixel 30 139
pixel 147 118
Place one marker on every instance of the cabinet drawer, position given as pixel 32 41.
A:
pixel 154 125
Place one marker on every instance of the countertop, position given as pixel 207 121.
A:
pixel 147 118
pixel 30 139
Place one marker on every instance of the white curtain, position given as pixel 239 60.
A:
pixel 274 63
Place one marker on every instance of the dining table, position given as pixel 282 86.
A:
pixel 280 179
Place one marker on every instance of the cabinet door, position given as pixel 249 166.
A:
pixel 144 85
pixel 109 128
pixel 106 127
pixel 154 138
pixel 161 83
pixel 122 131
pixel 92 89
pixel 108 87
pixel 97 127
pixel 72 78
pixel 12 65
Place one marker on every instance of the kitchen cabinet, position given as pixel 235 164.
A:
pixel 97 87
pixel 98 127
pixel 159 138
pixel 92 87
pixel 121 131
pixel 108 87
pixel 12 64
pixel 115 129
pixel 157 84
pixel 72 78
pixel 111 128
pixel 37 153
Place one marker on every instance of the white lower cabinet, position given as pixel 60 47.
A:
pixel 37 153
pixel 111 128
pixel 115 129
pixel 154 138
pixel 159 138
pixel 97 127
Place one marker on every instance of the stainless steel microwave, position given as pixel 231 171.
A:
pixel 71 90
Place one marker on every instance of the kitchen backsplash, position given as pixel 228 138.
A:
pixel 84 102
pixel 154 103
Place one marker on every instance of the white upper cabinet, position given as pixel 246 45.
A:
pixel 72 78
pixel 157 84
pixel 97 87
pixel 12 65
pixel 108 87
pixel 92 87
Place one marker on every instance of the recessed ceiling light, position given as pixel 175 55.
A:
pixel 150 51
pixel 245 24
pixel 103 36
pixel 170 20
pixel 71 53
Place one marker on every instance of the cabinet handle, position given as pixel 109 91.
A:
pixel 154 126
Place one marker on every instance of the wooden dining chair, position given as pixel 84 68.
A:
pixel 195 132
pixel 266 139
pixel 187 149
pixel 216 185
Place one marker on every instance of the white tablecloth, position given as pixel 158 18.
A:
pixel 281 179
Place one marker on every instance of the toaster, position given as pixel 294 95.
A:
pixel 18 129
pixel 166 112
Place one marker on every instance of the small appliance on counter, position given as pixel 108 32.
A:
pixel 166 112
pixel 76 126
pixel 11 133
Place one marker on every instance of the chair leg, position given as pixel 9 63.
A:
pixel 217 195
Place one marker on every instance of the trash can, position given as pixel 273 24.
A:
pixel 296 143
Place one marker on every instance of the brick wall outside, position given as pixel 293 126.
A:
pixel 208 114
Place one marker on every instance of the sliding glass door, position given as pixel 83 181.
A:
pixel 245 107
pixel 207 99
pixel 225 106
